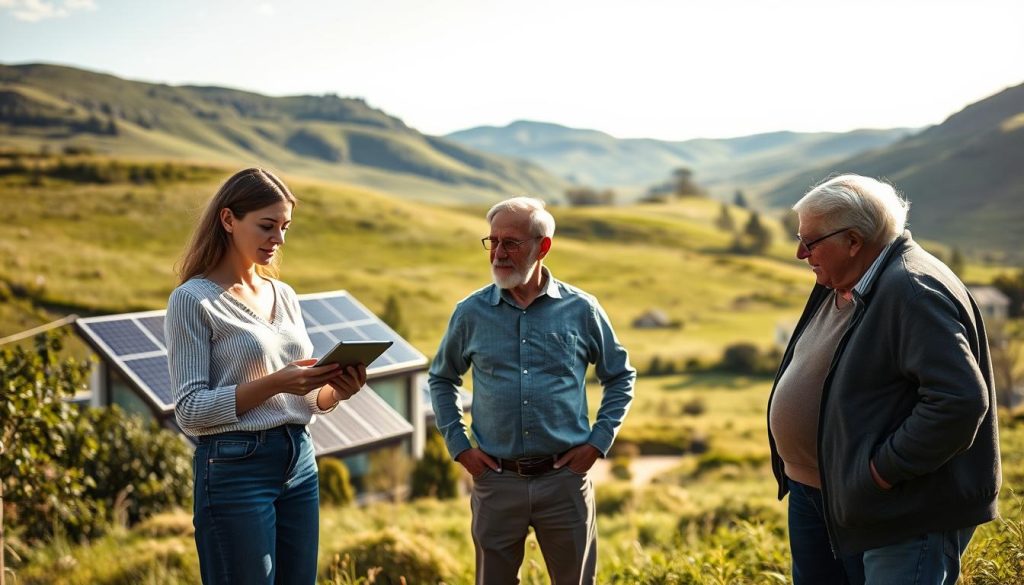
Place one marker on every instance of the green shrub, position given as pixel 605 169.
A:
pixel 335 483
pixel 399 555
pixel 620 468
pixel 436 475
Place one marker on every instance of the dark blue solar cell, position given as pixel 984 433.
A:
pixel 153 373
pixel 322 343
pixel 315 313
pixel 377 332
pixel 123 337
pixel 348 309
pixel 346 333
pixel 403 352
pixel 155 325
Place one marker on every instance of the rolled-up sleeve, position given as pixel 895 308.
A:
pixel 189 337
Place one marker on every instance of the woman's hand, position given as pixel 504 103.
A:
pixel 344 384
pixel 301 377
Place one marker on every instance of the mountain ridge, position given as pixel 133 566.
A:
pixel 327 136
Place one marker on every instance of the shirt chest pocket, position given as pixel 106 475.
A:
pixel 559 353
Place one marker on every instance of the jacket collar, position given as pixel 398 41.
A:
pixel 867 282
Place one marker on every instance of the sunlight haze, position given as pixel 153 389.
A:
pixel 668 70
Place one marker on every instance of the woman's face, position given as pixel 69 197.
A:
pixel 257 236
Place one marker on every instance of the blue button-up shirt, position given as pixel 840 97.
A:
pixel 529 368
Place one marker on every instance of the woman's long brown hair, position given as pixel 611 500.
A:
pixel 247 190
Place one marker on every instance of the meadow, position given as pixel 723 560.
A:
pixel 96 246
pixel 713 519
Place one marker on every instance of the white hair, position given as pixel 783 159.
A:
pixel 871 207
pixel 541 221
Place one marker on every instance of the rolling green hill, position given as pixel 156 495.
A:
pixel 320 136
pixel 752 163
pixel 104 247
pixel 964 177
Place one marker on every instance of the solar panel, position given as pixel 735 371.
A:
pixel 133 343
pixel 124 337
pixel 338 316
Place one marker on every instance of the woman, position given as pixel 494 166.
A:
pixel 244 387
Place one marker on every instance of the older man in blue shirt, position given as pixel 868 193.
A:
pixel 529 339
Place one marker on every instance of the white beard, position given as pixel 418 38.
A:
pixel 513 279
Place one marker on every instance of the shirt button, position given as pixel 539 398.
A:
pixel 526 402
pixel 526 371
pixel 524 341
pixel 526 432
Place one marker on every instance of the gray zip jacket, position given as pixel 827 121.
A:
pixel 910 387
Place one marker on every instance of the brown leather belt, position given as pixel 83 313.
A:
pixel 529 466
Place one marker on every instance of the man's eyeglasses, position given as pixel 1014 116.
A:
pixel 809 245
pixel 509 244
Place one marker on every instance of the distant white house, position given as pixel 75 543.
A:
pixel 653 319
pixel 993 303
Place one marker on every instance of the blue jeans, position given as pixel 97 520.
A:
pixel 256 509
pixel 929 559
pixel 813 560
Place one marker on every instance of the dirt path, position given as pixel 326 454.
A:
pixel 644 468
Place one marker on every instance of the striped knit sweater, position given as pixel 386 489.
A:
pixel 215 342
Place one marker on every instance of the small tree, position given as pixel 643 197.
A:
pixel 683 184
pixel 957 263
pixel 335 482
pixel 436 475
pixel 725 221
pixel 739 200
pixel 392 315
pixel 758 237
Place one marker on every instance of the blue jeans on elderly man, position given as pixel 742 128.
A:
pixel 928 559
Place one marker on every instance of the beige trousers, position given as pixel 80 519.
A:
pixel 560 507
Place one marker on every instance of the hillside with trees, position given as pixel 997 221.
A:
pixel 330 137
pixel 752 163
pixel 964 177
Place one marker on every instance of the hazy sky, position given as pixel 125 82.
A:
pixel 662 69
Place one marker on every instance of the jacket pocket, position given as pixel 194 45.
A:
pixel 856 500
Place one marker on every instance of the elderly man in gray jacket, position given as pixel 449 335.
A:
pixel 882 419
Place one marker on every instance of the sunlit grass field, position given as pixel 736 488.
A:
pixel 696 523
pixel 92 248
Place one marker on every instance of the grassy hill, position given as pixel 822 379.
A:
pixel 320 136
pixel 752 163
pixel 964 177
pixel 94 247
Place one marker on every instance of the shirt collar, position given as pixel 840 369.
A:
pixel 550 288
pixel 865 282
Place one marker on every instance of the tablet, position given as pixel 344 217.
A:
pixel 350 353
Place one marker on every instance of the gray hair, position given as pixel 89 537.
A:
pixel 541 221
pixel 871 207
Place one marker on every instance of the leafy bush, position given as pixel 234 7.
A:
pixel 38 490
pixel 335 483
pixel 399 555
pixel 620 468
pixel 435 475
pixel 78 470
pixel 137 467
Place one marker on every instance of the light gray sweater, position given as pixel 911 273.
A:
pixel 215 342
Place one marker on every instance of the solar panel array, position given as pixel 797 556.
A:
pixel 134 344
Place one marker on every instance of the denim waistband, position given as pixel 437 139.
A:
pixel 259 435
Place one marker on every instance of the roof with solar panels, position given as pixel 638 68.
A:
pixel 133 344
